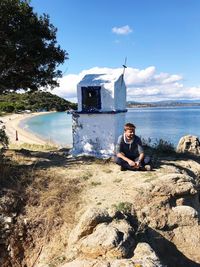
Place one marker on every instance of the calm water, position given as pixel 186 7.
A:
pixel 167 123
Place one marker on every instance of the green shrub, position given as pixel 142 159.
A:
pixel 124 207
pixel 146 142
pixel 159 146
pixel 164 146
pixel 6 107
pixel 19 107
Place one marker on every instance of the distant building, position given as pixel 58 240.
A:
pixel 100 116
pixel 27 111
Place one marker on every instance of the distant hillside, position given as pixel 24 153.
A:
pixel 37 101
pixel 174 102
pixel 164 103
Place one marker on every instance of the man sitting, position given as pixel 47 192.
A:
pixel 129 151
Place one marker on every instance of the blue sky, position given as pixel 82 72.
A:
pixel 160 38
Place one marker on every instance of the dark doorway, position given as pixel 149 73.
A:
pixel 91 98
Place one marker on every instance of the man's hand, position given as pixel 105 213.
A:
pixel 131 163
pixel 137 164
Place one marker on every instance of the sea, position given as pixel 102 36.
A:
pixel 154 123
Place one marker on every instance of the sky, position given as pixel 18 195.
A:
pixel 159 38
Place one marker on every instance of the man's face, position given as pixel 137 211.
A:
pixel 129 133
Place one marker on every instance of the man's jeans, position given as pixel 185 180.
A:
pixel 124 164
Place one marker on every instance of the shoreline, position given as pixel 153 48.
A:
pixel 18 135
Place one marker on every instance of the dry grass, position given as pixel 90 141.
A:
pixel 5 171
pixel 10 175
pixel 95 183
pixel 86 175
pixel 34 147
pixel 52 201
pixel 107 170
pixel 117 180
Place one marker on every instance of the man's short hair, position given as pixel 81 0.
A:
pixel 129 126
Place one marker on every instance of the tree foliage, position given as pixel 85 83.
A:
pixel 29 53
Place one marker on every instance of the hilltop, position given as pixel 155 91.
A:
pixel 46 195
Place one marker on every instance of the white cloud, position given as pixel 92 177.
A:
pixel 124 30
pixel 142 85
pixel 165 78
pixel 136 76
pixel 67 88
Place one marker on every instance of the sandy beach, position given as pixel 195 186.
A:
pixel 18 135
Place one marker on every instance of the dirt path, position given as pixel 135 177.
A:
pixel 103 183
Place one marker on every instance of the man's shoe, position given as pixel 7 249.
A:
pixel 146 168
pixel 123 169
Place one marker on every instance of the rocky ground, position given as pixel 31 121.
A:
pixel 86 212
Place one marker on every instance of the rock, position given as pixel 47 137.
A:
pixel 8 219
pixel 112 240
pixel 104 263
pixel 169 214
pixel 89 220
pixel 98 235
pixel 125 263
pixel 146 256
pixel 110 243
pixel 185 211
pixel 183 216
pixel 157 207
pixel 87 263
pixel 187 240
pixel 189 143
pixel 176 185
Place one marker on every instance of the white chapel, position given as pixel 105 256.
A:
pixel 100 117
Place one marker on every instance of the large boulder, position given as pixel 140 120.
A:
pixel 97 234
pixel 102 240
pixel 88 221
pixel 144 255
pixel 87 263
pixel 189 143
pixel 113 240
pixel 187 239
pixel 151 260
pixel 168 209
pixel 169 202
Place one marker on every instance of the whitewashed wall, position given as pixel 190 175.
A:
pixel 107 99
pixel 96 134
pixel 120 94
